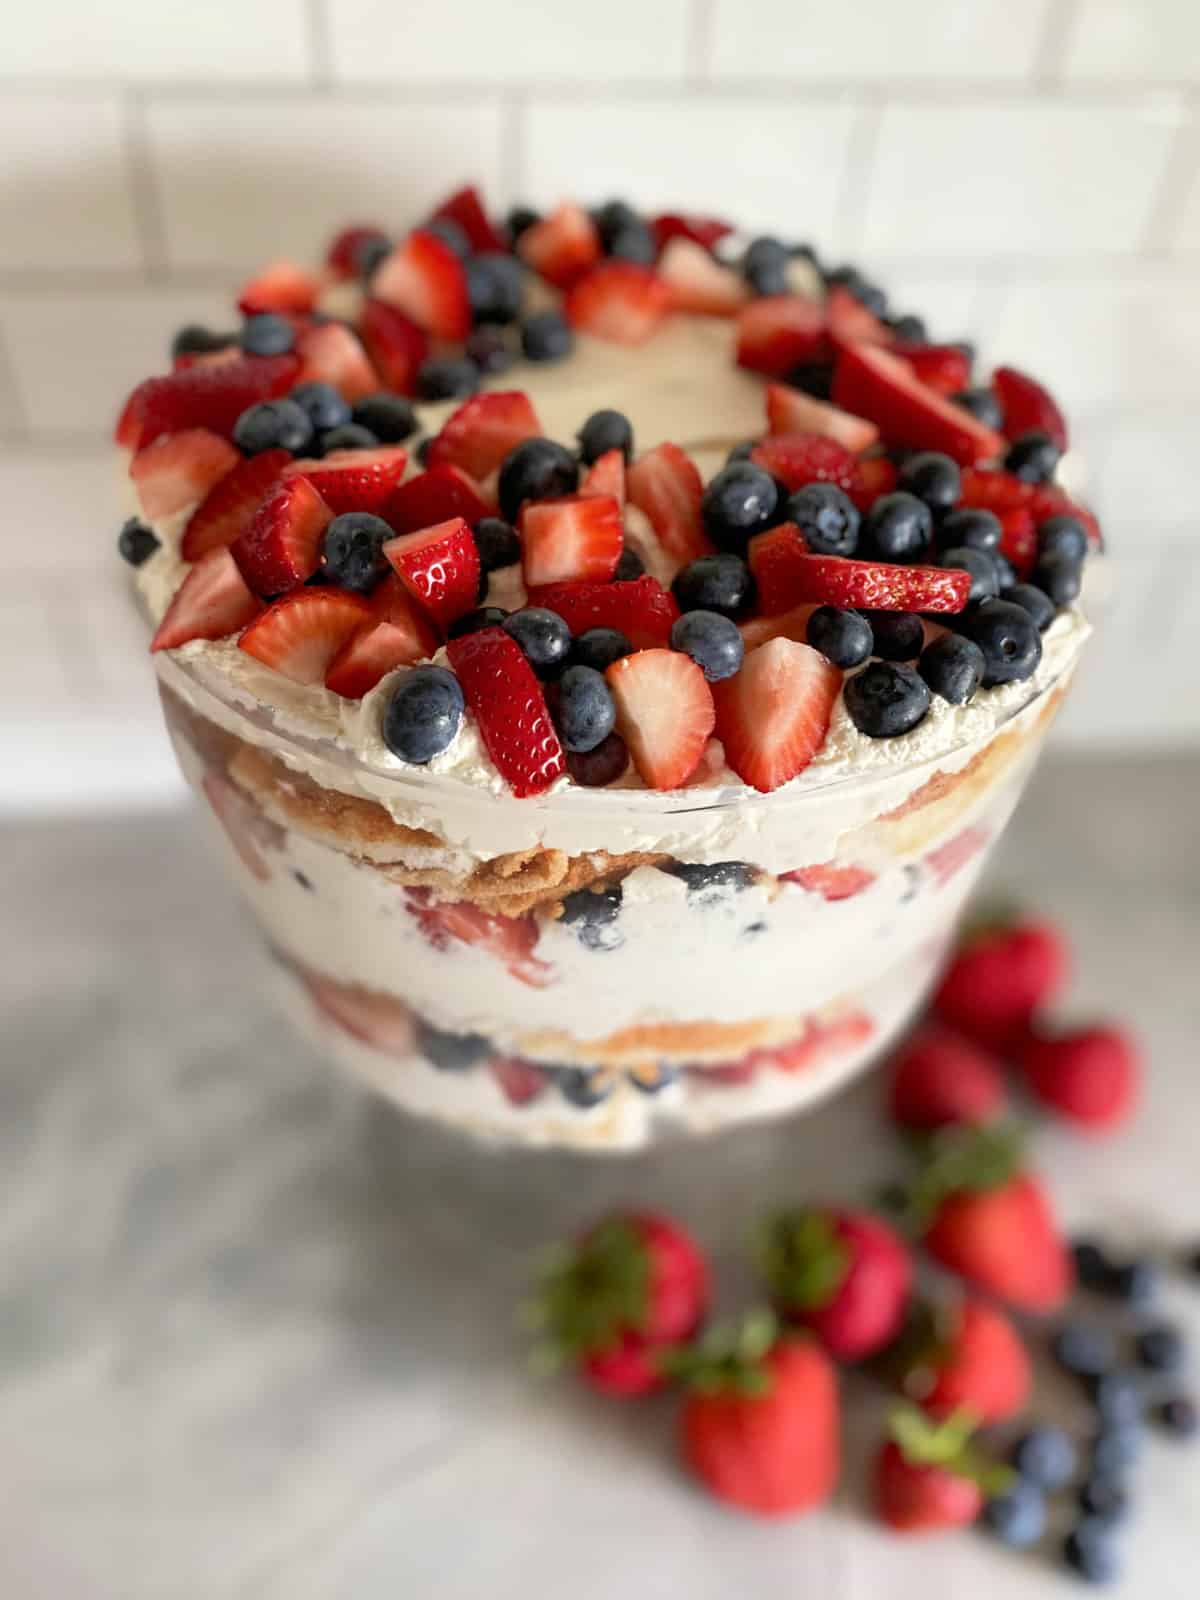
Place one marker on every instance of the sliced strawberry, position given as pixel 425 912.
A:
pixel 510 708
pixel 466 208
pixel 301 634
pixel 425 279
pixel 479 435
pixel 520 1081
pixel 353 480
pixel 439 567
pixel 606 475
pixel 561 246
pixel 787 574
pixel 246 828
pixel 211 397
pixel 342 257
pixel 281 548
pixel 773 715
pixel 396 345
pixel 489 491
pixel 698 283
pixel 574 538
pixel 779 332
pixel 376 649
pixel 1027 405
pixel 618 301
pixel 228 509
pixel 874 383
pixel 700 230
pixel 946 860
pixel 804 457
pixel 283 286
pixel 1018 540
pixel 876 475
pixel 1050 501
pixel 511 939
pixel 434 496
pixel 791 624
pixel 994 491
pixel 851 322
pixel 664 714
pixel 211 603
pixel 640 608
pixel 179 469
pixel 379 1020
pixel 792 411
pixel 331 354
pixel 831 879
pixel 665 485
pixel 944 367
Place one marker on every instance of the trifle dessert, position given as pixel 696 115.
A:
pixel 606 647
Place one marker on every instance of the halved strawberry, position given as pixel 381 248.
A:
pixel 512 940
pixel 396 345
pixel 353 480
pixel 342 256
pixel 779 332
pixel 639 607
pixel 439 567
pixel 698 283
pixel 791 624
pixel 664 714
pixel 787 574
pixel 851 322
pixel 571 539
pixel 378 648
pixel 618 301
pixel 378 1019
pixel 874 383
pixel 331 354
pixel 211 603
pixel 993 491
pixel 876 475
pixel 180 469
pixel 466 208
pixel 281 548
pixel 561 246
pixel 944 367
pixel 665 485
pixel 479 435
pixel 301 634
pixel 425 279
pixel 520 1081
pixel 670 225
pixel 283 286
pixel 211 397
pixel 1050 501
pixel 248 830
pixel 804 457
pixel 1018 540
pixel 606 475
pixel 773 715
pixel 792 411
pixel 1026 405
pixel 433 496
pixel 507 702
pixel 832 880
pixel 228 509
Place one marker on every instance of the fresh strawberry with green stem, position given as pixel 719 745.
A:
pixel 939 1078
pixel 439 567
pixel 665 485
pixel 229 506
pixel 962 1356
pixel 212 602
pixel 1090 1076
pixel 281 548
pixel 773 715
pixel 618 301
pixel 999 977
pixel 929 1477
pixel 509 706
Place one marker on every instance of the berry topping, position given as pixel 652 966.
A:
pixel 1017 1517
pixel 899 635
pixel 873 477
pixel 791 411
pixel 666 487
pixel 194 340
pixel 424 278
pixel 1032 457
pixel 664 714
pixel 944 367
pixel 497 544
pixel 1059 578
pixel 571 539
pixel 933 478
pixel 399 636
pixel 712 641
pixel 584 713
pixel 267 334
pixel 446 378
pixel 344 255
pixel 211 397
pixel 332 354
pixel 396 345
pixel 798 459
pixel 1026 406
pixel 561 246
pixel 599 648
pixel 741 501
pixel 843 637
pixel 715 583
pixel 1062 535
pixel 618 301
pixel 787 575
pixel 349 436
pixel 353 480
pixel 599 767
pixel 390 417
pixel 473 621
pixel 481 433
pixel 707 231
pixel 439 566
pixel 423 715
pixel 136 543
pixel 433 496
pixel 606 477
pixel 639 607
pixel 508 704
pixel 1038 604
pixel 543 636
pixel 765 265
pixel 853 309
pixel 874 383
pixel 898 527
pixel 535 469
pixel 773 716
pixel 779 332
pixel 1009 639
pixel 699 284
pixel 953 667
pixel 324 405
pixel 970 529
pixel 178 470
pixel 886 700
pixel 281 548
pixel 228 509
pixel 630 565
pixel 352 550
pixel 466 208
pixel 604 431
pixel 211 603
pixel 301 634
pixel 982 404
pixel 927 1477
pixel 827 518
pixel 281 287
pixel 273 425
pixel 982 569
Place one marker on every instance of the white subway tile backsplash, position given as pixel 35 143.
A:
pixel 877 40
pixel 519 41
pixel 65 191
pixel 1134 40
pixel 72 497
pixel 139 40
pixel 1183 231
pixel 1142 472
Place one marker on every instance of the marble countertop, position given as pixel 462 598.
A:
pixel 257 1332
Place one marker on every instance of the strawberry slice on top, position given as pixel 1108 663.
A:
pixel 229 506
pixel 179 469
pixel 606 475
pixel 780 331
pixel 398 636
pixel 439 567
pixel 875 383
pixel 211 603
pixel 331 354
pixel 804 457
pixel 850 321
pixel 562 246
pixel 301 634
pixel 466 208
pixel 509 707
pixel 434 496
pixel 574 538
pixel 283 287
pixel 792 411
pixel 698 283
pixel 281 548
pixel 944 367
pixel 788 575
pixel 1026 405
pixel 353 480
pixel 773 715
pixel 479 435
pixel 395 344
pixel 664 714
pixel 665 485
pixel 618 301
pixel 211 397
pixel 707 231
pixel 342 257
pixel 425 279
pixel 639 607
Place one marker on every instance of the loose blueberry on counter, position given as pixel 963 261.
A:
pixel 982 404
pixel 739 502
pixel 843 637
pixel 1017 1517
pixel 543 636
pixel 827 517
pixel 712 641
pixel 592 914
pixel 324 406
pixel 451 233
pixel 488 349
pixel 518 220
pixel 953 667
pixel 1032 457
pixel 583 709
pixel 390 417
pixel 193 340
pixel 1060 579
pixel 721 583
pixel 1104 1495
pixel 1117 1397
pixel 583 1086
pixel 1008 637
pixel 446 378
pixel 267 334
pixel 535 469
pixel 599 767
pixel 765 266
pixel 346 436
pixel 136 542
pixel 1085 1349
pixel 970 529
pixel 1046 1457
pixel 495 287
pixel 273 425
pixel 473 621
pixel 497 543
pixel 371 253
pixel 899 635
pixel 885 699
pixel 546 336
pixel 1177 1415
pixel 898 527
pixel 653 1080
pixel 1062 535
pixel 909 329
pixel 629 566
pixel 708 880
pixel 1090 1552
pixel 1161 1348
pixel 932 477
pixel 598 648
pixel 1135 1282
pixel 985 582
pixel 603 431
pixel 451 1052
pixel 1038 604
pixel 814 378
pixel 1117 1447
pixel 352 550
pixel 423 714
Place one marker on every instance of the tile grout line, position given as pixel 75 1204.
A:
pixel 512 172
pixel 698 43
pixel 1050 56
pixel 21 430
pixel 1174 186
pixel 320 44
pixel 850 212
pixel 147 210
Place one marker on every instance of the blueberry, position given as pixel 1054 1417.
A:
pixel 827 518
pixel 1136 1282
pixel 1062 535
pixel 712 641
pixel 323 405
pixel 1117 1397
pixel 898 635
pixel 497 544
pixel 739 502
pixel 488 349
pixel 953 668
pixel 446 378
pixel 598 648
pixel 273 425
pixel 495 287
pixel 1177 1415
pixel 843 637
pixel 535 469
pixel 1006 577
pixel 612 218
pixel 599 767
pixel 985 584
pixel 390 417
pixel 867 294
pixel 347 436
pixel 653 1080
pixel 193 340
pixel 1090 1552
pixel 1032 457
pixel 1038 604
pixel 1161 1348
pixel 546 336
pixel 583 1086
pixel 371 253
pixel 765 266
pixel 473 621
pixel 709 880
pixel 1104 1495
pixel 629 566
pixel 1059 578
pixel 909 329
pixel 1017 1517
pixel 1008 637
pixel 970 529
pixel 604 431
pixel 451 233
pixel 584 712
pixel 352 550
pixel 634 243
pixel 1117 1447
pixel 932 477
pixel 267 334
pixel 814 378
pixel 982 404
pixel 1085 1349
pixel 885 700
pixel 592 913
pixel 1045 1456
pixel 543 636
pixel 423 714
pixel 720 583
pixel 136 542
pixel 898 527
pixel 518 220
pixel 422 449
pixel 741 452
pixel 451 1052
pixel 1093 1265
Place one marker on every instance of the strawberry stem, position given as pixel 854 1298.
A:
pixel 728 1357
pixel 801 1257
pixel 949 1445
